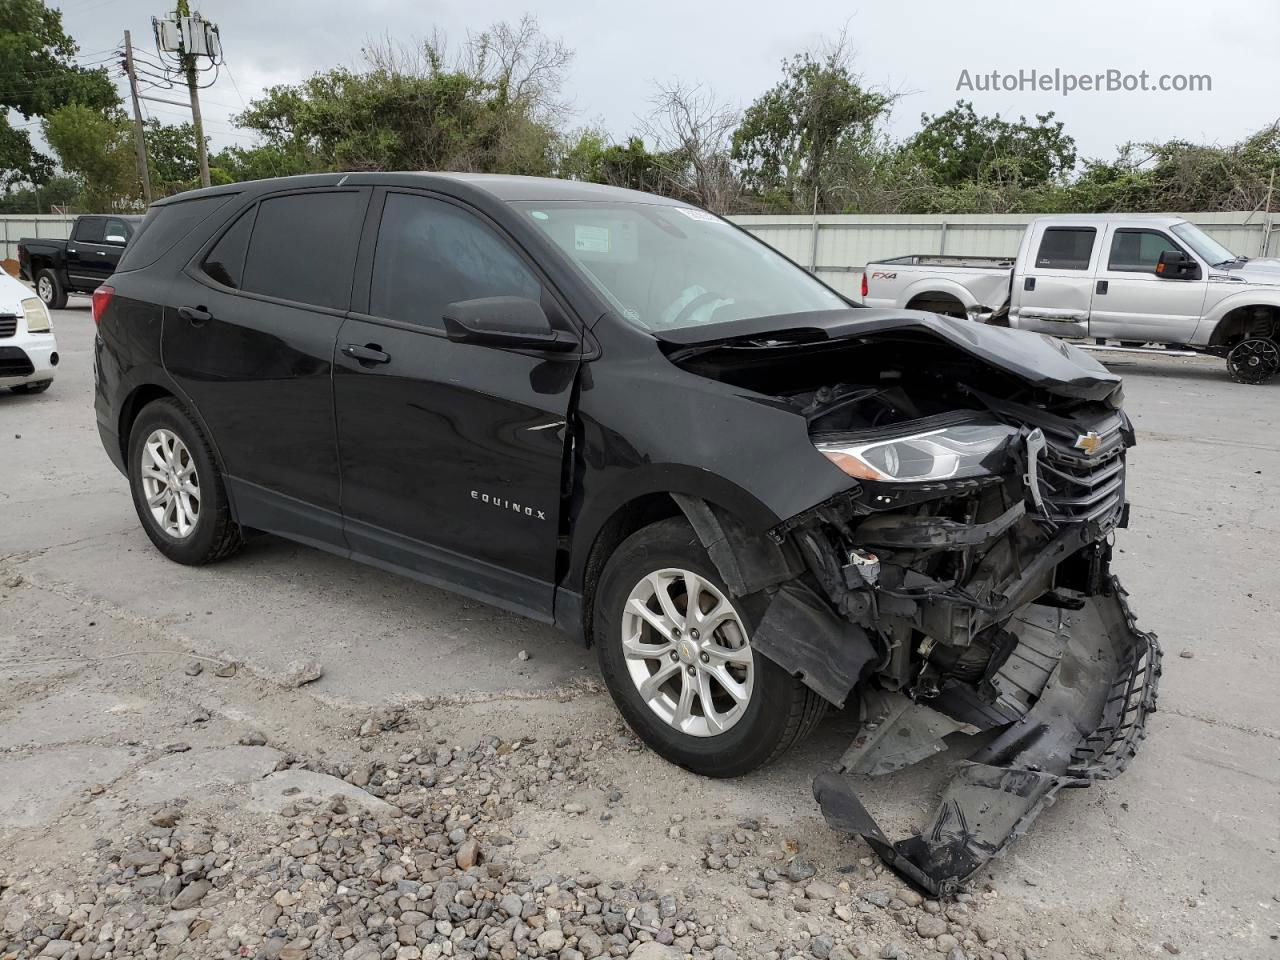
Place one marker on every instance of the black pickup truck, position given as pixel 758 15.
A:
pixel 77 265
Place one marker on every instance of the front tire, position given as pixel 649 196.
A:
pixel 177 487
pixel 50 290
pixel 675 652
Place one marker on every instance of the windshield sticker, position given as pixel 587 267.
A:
pixel 695 214
pixel 588 239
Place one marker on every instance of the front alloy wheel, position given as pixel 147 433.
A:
pixel 675 651
pixel 687 652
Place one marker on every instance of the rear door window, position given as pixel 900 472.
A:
pixel 91 229
pixel 1138 251
pixel 431 253
pixel 1066 248
pixel 303 247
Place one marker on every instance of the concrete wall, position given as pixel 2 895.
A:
pixel 13 227
pixel 846 242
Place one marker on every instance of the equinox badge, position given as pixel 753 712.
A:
pixel 504 504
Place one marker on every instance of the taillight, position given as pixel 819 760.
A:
pixel 864 284
pixel 101 299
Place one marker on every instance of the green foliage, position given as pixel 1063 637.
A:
pixel 234 164
pixel 61 191
pixel 410 110
pixel 590 157
pixel 37 76
pixel 97 148
pixel 960 147
pixel 807 135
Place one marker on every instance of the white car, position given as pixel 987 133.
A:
pixel 28 351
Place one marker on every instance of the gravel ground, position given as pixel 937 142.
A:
pixel 290 756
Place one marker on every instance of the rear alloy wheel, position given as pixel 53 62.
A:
pixel 1254 361
pixel 675 652
pixel 177 489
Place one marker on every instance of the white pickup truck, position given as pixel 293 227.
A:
pixel 1138 279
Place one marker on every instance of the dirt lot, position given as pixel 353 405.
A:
pixel 153 806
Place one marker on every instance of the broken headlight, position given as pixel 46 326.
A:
pixel 943 453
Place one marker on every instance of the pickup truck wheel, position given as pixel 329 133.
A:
pixel 675 652
pixel 1254 361
pixel 177 488
pixel 50 291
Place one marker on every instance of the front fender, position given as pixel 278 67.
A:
pixel 1207 328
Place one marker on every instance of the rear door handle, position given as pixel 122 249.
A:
pixel 1102 286
pixel 196 316
pixel 1029 283
pixel 370 353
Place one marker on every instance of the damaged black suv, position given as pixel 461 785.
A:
pixel 624 415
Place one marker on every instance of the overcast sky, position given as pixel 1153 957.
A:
pixel 917 49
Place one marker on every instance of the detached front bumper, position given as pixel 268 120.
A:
pixel 1097 676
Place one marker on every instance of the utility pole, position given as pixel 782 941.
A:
pixel 189 68
pixel 139 135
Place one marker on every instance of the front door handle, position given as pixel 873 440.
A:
pixel 196 316
pixel 1102 286
pixel 369 354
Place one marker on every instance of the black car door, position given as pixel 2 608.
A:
pixel 249 333
pixel 89 260
pixel 451 453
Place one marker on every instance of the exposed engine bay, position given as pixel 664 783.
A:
pixel 961 584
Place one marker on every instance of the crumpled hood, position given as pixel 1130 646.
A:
pixel 1261 271
pixel 1042 361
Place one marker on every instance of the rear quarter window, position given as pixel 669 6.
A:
pixel 166 225
pixel 1066 248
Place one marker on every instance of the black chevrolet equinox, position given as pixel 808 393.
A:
pixel 626 416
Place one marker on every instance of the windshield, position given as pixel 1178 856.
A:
pixel 666 267
pixel 1208 249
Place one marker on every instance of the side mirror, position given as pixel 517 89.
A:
pixel 504 322
pixel 1176 265
pixel 116 238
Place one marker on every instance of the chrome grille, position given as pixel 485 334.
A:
pixel 1076 486
pixel 8 325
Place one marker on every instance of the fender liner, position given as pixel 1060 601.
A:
pixel 800 631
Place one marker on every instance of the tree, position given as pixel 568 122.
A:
pixel 693 133
pixel 589 156
pixel 171 151
pixel 37 76
pixel 492 108
pixel 61 191
pixel 97 148
pixel 958 147
pixel 800 141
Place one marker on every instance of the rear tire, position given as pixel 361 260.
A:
pixel 776 710
pixel 50 290
pixel 177 488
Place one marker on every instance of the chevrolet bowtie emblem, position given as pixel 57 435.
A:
pixel 1088 442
